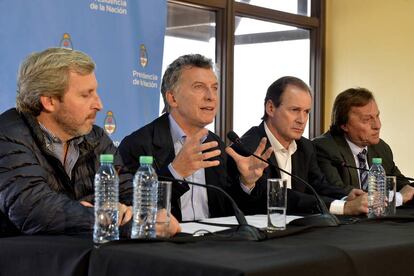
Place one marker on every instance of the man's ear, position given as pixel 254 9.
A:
pixel 169 96
pixel 48 103
pixel 269 108
pixel 344 127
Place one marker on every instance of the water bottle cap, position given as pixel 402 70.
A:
pixel 107 158
pixel 146 159
pixel 376 160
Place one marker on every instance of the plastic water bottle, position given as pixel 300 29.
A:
pixel 376 189
pixel 145 200
pixel 106 201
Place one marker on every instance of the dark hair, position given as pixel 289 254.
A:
pixel 172 74
pixel 343 103
pixel 276 89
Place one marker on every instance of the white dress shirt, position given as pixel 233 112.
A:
pixel 283 156
pixel 284 161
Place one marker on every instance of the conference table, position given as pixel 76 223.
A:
pixel 357 247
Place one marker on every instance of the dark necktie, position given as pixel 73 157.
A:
pixel 363 174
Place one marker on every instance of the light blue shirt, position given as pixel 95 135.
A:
pixel 194 202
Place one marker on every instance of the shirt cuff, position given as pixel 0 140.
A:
pixel 174 172
pixel 246 189
pixel 398 199
pixel 337 207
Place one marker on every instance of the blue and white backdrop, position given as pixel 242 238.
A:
pixel 124 37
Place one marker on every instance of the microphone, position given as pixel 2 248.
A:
pixel 323 219
pixel 244 231
pixel 344 164
pixel 341 163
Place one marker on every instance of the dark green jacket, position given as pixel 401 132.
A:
pixel 332 150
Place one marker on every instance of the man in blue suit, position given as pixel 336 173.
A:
pixel 183 148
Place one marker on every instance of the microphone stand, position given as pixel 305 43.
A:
pixel 343 164
pixel 320 220
pixel 244 230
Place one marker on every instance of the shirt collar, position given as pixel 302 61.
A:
pixel 51 138
pixel 177 134
pixel 354 148
pixel 276 145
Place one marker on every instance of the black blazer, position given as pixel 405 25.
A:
pixel 304 165
pixel 155 140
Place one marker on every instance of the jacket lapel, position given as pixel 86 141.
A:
pixel 296 168
pixel 372 153
pixel 162 142
pixel 347 155
pixel 271 170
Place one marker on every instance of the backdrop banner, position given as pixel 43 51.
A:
pixel 124 37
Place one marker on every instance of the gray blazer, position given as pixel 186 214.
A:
pixel 333 149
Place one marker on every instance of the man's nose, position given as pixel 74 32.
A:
pixel 303 117
pixel 211 94
pixel 98 103
pixel 377 123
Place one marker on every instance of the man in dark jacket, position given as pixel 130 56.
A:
pixel 286 110
pixel 353 140
pixel 183 148
pixel 50 147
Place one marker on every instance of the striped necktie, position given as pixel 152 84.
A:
pixel 363 174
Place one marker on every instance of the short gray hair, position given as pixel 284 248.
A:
pixel 172 75
pixel 46 73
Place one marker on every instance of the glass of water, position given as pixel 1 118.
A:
pixel 164 209
pixel 390 189
pixel 276 204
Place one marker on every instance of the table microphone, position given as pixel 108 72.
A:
pixel 244 231
pixel 323 219
pixel 344 164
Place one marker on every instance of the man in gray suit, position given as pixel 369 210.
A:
pixel 353 140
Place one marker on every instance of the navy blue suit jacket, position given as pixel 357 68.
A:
pixel 155 140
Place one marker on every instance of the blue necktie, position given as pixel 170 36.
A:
pixel 363 174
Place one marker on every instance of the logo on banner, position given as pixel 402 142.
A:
pixel 143 56
pixel 141 78
pixel 65 42
pixel 109 123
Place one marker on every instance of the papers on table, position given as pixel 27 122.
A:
pixel 196 229
pixel 258 221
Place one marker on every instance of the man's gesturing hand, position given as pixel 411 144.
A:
pixel 251 168
pixel 191 157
